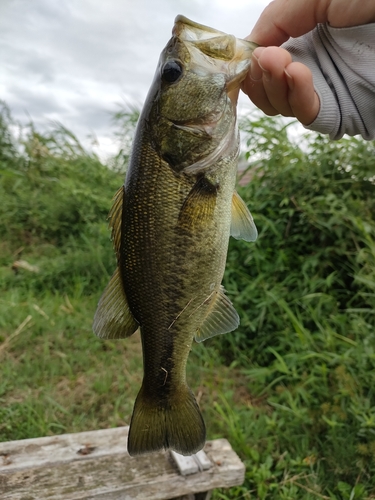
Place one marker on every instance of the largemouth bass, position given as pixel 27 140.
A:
pixel 171 223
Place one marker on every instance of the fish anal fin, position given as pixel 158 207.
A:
pixel 242 224
pixel 199 206
pixel 113 319
pixel 115 218
pixel 221 317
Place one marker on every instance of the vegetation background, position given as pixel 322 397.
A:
pixel 292 389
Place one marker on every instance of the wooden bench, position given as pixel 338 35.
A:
pixel 95 465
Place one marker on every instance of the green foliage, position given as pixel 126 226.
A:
pixel 305 293
pixel 314 259
pixel 292 389
pixel 125 120
pixel 8 150
pixel 51 188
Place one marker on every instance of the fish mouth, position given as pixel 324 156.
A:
pixel 189 30
pixel 227 54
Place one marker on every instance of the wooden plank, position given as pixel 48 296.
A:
pixel 65 447
pixel 95 465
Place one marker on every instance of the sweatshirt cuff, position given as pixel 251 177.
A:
pixel 328 119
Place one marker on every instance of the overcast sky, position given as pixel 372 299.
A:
pixel 76 61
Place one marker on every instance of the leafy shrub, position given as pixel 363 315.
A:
pixel 305 292
pixel 315 256
pixel 51 188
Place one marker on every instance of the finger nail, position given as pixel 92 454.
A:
pixel 266 75
pixel 256 72
pixel 289 80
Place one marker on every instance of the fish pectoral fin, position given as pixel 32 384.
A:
pixel 242 224
pixel 115 218
pixel 113 319
pixel 199 206
pixel 221 317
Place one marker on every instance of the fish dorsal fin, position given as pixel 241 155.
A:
pixel 221 317
pixel 113 319
pixel 115 218
pixel 242 225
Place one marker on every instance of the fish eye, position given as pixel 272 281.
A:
pixel 171 72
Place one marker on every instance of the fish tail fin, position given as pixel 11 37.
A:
pixel 178 424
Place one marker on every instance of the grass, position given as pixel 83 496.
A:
pixel 292 389
pixel 56 377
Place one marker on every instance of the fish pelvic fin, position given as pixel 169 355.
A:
pixel 177 424
pixel 242 225
pixel 221 317
pixel 113 319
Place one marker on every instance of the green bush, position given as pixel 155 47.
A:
pixel 305 293
pixel 314 261
pixel 51 188
pixel 55 197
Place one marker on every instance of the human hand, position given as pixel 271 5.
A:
pixel 275 83
pixel 279 86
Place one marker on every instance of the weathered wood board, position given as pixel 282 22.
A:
pixel 95 465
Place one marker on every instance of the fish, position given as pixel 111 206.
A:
pixel 171 222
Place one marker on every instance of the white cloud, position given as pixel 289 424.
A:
pixel 75 61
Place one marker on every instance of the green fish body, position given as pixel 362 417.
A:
pixel 171 223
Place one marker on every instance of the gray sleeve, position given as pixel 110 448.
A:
pixel 342 61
